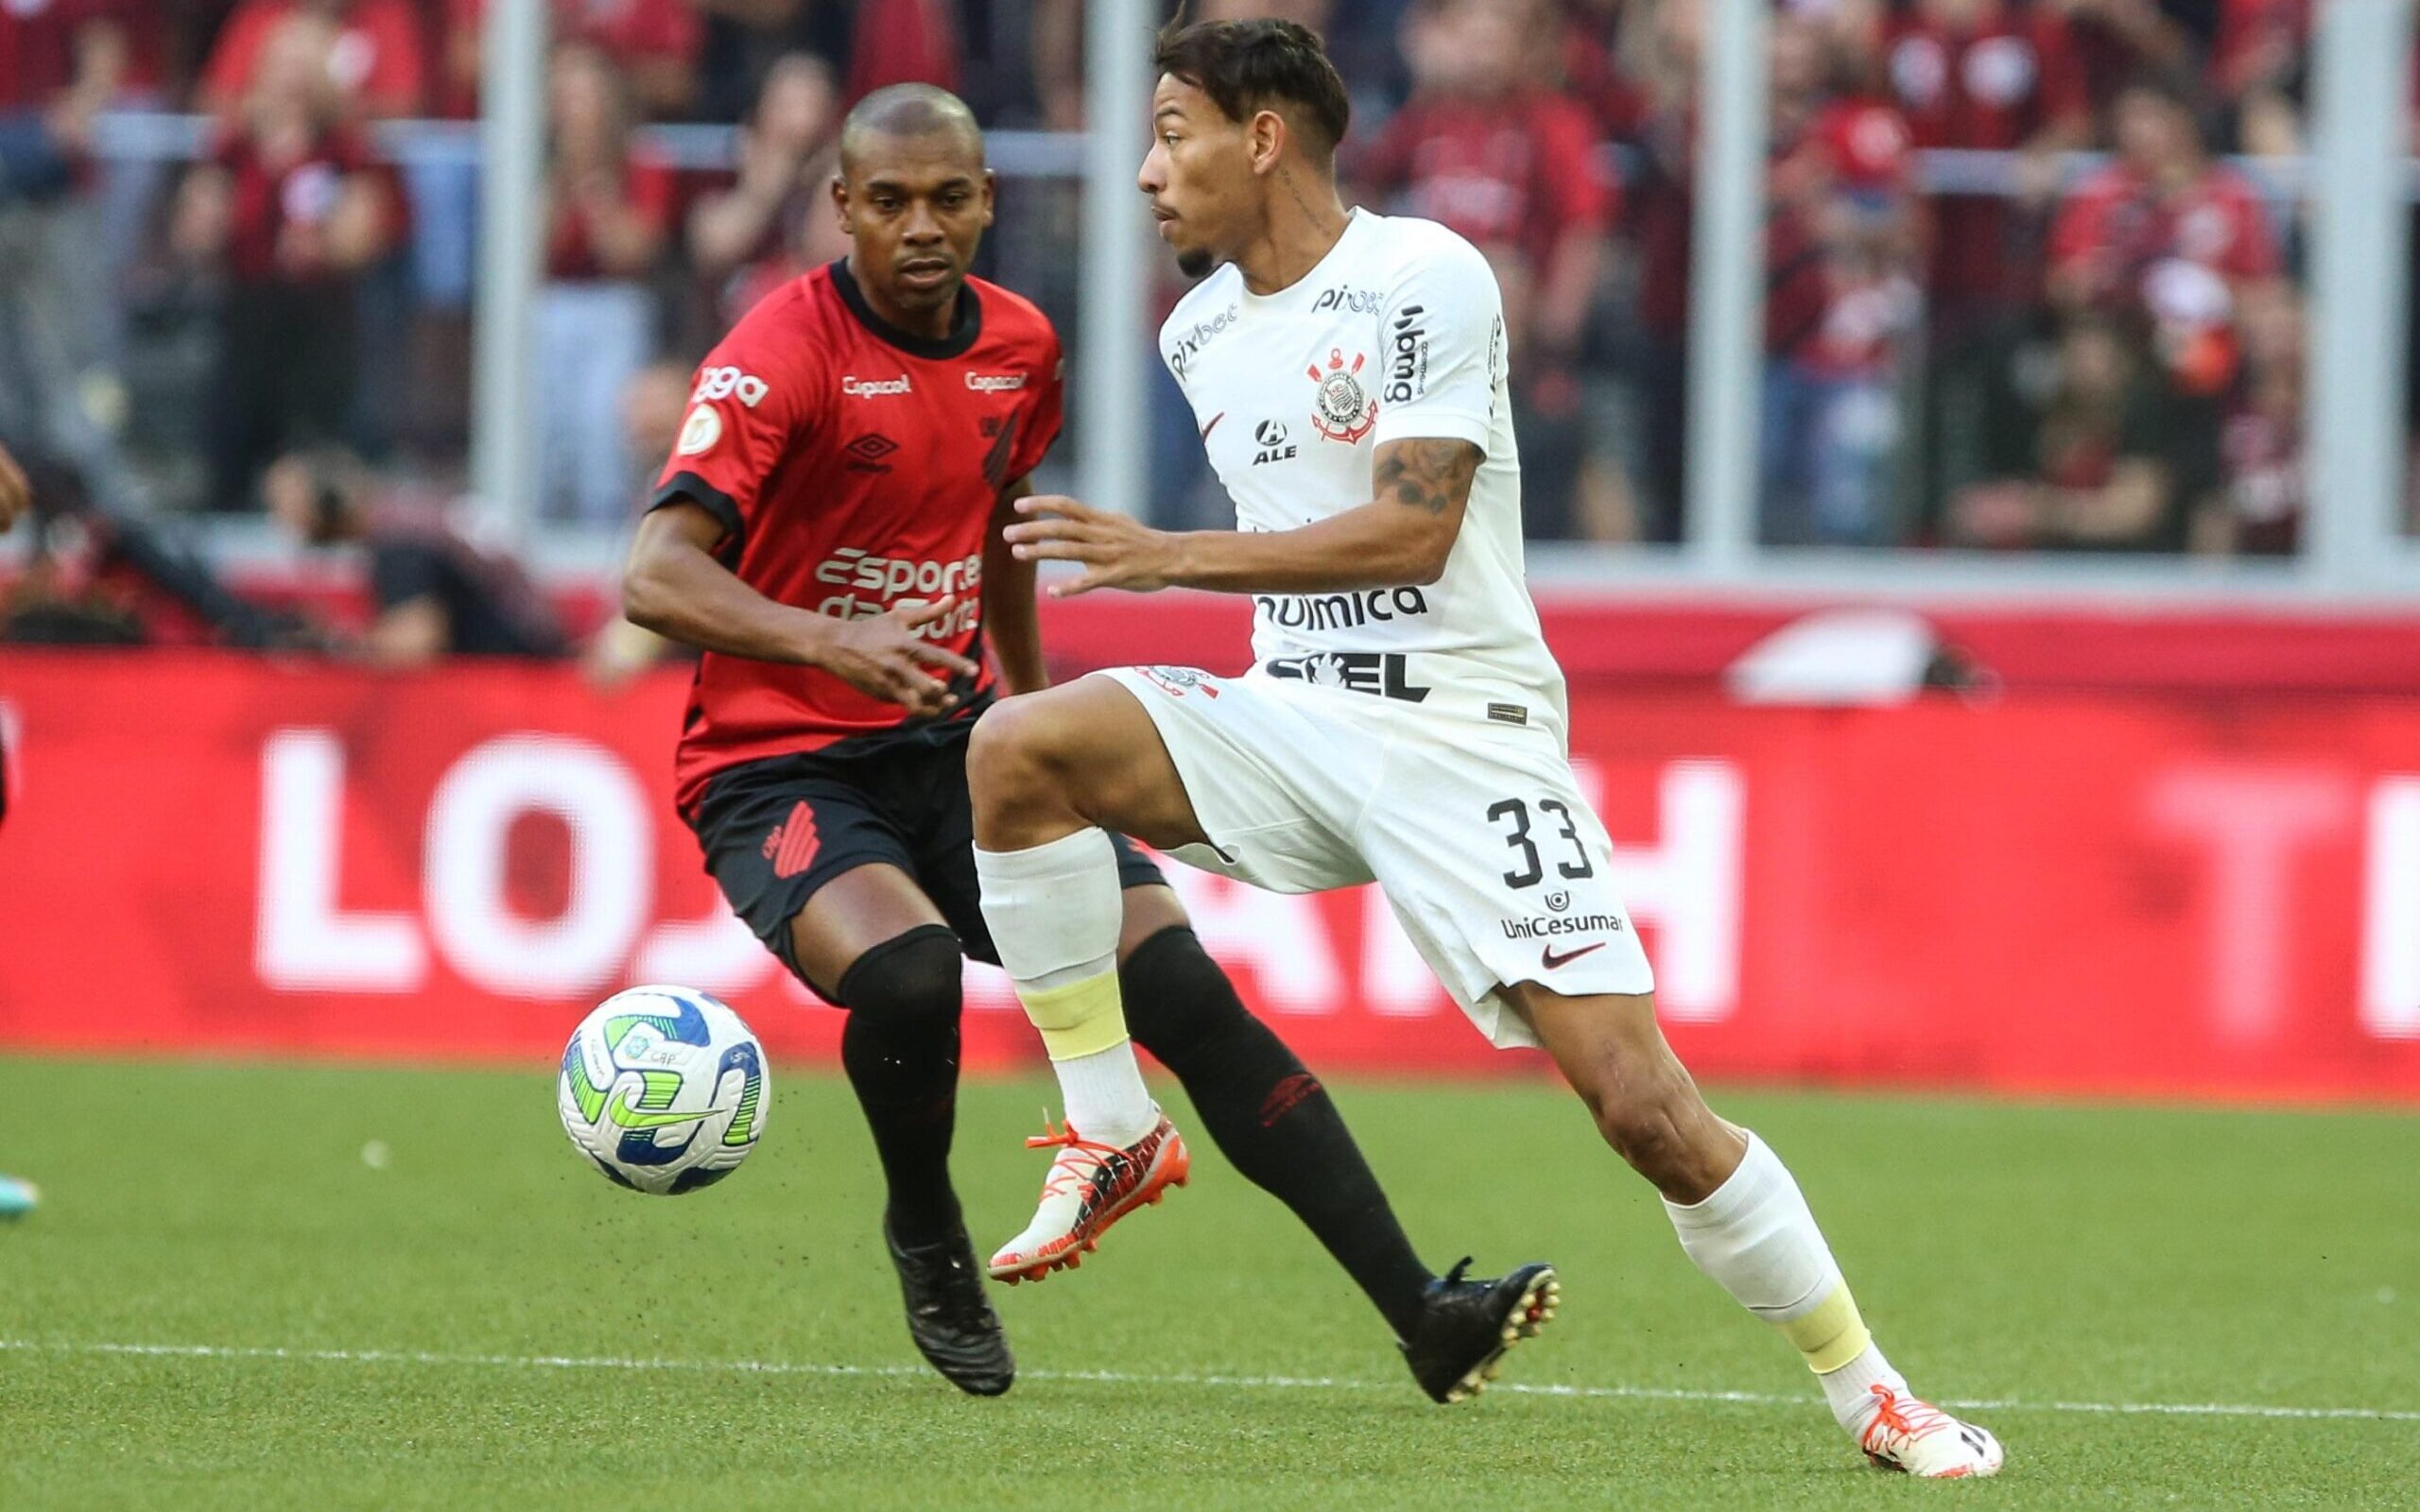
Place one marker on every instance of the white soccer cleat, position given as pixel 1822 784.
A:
pixel 1920 1440
pixel 1090 1187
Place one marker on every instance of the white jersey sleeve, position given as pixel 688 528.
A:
pixel 1442 327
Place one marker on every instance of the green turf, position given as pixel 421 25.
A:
pixel 2119 1256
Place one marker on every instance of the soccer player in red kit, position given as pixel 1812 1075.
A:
pixel 827 531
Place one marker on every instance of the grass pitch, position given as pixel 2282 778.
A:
pixel 224 1304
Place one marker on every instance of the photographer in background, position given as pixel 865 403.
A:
pixel 434 593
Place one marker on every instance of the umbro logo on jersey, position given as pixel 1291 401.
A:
pixel 875 387
pixel 1271 437
pixel 866 452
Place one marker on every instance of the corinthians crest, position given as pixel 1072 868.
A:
pixel 1344 410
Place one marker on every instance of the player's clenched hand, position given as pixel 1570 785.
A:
pixel 14 495
pixel 884 658
pixel 1117 550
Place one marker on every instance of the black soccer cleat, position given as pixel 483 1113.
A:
pixel 1466 1326
pixel 948 1316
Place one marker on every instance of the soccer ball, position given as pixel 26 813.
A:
pixel 663 1089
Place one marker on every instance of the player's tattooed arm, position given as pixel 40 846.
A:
pixel 1421 486
pixel 1009 620
pixel 1427 474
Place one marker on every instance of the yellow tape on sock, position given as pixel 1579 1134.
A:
pixel 1079 1018
pixel 1831 1335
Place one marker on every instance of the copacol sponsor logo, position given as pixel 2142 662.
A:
pixel 994 383
pixel 1274 446
pixel 874 388
pixel 1408 362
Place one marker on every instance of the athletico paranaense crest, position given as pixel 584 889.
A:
pixel 1344 410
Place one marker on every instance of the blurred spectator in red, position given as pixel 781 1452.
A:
pixel 783 179
pixel 1594 70
pixel 655 42
pixel 1991 76
pixel 1510 164
pixel 2170 239
pixel 608 210
pixel 1841 199
pixel 2115 39
pixel 2259 64
pixel 62 62
pixel 375 65
pixel 291 187
pixel 2103 470
pixel 2259 510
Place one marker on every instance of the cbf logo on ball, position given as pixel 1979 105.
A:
pixel 1344 410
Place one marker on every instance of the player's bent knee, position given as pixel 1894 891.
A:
pixel 1010 753
pixel 909 981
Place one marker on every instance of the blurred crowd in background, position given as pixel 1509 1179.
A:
pixel 2106 358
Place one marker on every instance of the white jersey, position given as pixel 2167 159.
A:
pixel 1398 333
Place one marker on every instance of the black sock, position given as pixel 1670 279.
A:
pixel 900 1048
pixel 1269 1115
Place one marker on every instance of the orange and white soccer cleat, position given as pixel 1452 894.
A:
pixel 1090 1187
pixel 1922 1440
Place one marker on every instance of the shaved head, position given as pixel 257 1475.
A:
pixel 904 113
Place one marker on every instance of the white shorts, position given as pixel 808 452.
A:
pixel 1476 831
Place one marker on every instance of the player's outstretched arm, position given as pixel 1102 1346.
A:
pixel 674 586
pixel 1009 621
pixel 1400 537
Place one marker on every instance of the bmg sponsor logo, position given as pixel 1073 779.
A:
pixel 1407 358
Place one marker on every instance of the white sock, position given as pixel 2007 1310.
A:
pixel 1850 1389
pixel 1054 911
pixel 1756 1238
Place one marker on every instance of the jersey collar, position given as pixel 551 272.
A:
pixel 963 331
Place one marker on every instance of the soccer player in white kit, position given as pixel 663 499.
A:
pixel 1404 721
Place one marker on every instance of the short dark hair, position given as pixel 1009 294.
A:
pixel 1246 66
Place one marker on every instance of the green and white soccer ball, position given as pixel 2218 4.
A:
pixel 663 1089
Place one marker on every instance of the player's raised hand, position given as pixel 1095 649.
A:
pixel 884 658
pixel 1116 550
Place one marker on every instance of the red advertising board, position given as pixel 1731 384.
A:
pixel 2188 894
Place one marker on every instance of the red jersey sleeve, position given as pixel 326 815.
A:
pixel 1050 412
pixel 747 408
pixel 2251 252
pixel 1581 199
pixel 2081 228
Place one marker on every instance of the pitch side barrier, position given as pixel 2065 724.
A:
pixel 2181 894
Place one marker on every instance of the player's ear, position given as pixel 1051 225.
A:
pixel 990 189
pixel 1265 139
pixel 841 204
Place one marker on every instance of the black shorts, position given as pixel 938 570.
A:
pixel 776 830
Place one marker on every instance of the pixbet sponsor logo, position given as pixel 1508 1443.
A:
pixel 994 383
pixel 1270 437
pixel 1407 364
pixel 1190 345
pixel 729 382
pixel 1359 302
pixel 874 388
